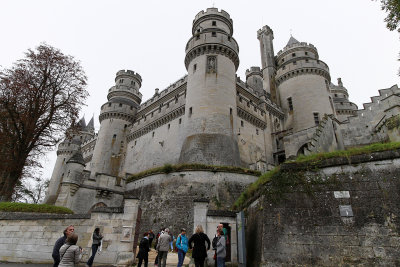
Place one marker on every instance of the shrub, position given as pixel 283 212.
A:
pixel 39 208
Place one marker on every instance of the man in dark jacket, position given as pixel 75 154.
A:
pixel 144 248
pixel 59 243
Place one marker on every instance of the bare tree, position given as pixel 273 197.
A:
pixel 40 97
pixel 30 190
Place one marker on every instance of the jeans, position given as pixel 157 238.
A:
pixel 220 262
pixel 181 257
pixel 146 261
pixel 94 250
pixel 162 258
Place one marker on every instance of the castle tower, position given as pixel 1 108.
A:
pixel 75 136
pixel 254 79
pixel 115 116
pixel 303 84
pixel 265 35
pixel 343 107
pixel 211 61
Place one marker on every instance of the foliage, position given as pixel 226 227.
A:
pixel 30 190
pixel 40 97
pixel 168 168
pixel 392 8
pixel 377 147
pixel 39 208
pixel 393 122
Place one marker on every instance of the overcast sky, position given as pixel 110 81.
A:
pixel 149 37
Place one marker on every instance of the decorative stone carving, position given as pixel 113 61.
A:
pixel 211 64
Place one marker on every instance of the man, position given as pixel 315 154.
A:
pixel 59 243
pixel 151 237
pixel 144 249
pixel 163 247
pixel 182 245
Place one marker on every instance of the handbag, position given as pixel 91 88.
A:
pixel 64 253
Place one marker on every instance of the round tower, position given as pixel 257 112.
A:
pixel 123 101
pixel 303 84
pixel 343 107
pixel 65 150
pixel 254 79
pixel 211 61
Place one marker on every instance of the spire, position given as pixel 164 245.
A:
pixel 82 123
pixel 90 125
pixel 292 40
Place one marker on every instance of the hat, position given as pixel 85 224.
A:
pixel 183 230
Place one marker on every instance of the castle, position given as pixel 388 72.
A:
pixel 285 108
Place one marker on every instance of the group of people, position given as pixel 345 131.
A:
pixel 66 253
pixel 199 242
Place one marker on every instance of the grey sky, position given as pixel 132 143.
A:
pixel 149 37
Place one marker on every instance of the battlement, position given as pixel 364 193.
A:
pixel 212 11
pixel 253 71
pixel 128 73
pixel 265 30
pixel 296 45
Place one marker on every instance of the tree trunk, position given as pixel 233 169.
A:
pixel 8 182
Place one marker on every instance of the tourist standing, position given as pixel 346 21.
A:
pixel 70 253
pixel 221 249
pixel 163 247
pixel 59 243
pixel 144 248
pixel 199 238
pixel 151 237
pixel 97 237
pixel 183 246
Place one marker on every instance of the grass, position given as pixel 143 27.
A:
pixel 168 168
pixel 377 147
pixel 39 208
pixel 276 178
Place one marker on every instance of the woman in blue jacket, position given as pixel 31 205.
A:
pixel 182 244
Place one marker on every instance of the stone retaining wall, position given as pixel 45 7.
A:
pixel 350 217
pixel 29 238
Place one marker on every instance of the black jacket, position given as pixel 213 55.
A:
pixel 56 250
pixel 199 248
pixel 144 248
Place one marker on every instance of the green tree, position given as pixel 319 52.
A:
pixel 40 97
pixel 392 7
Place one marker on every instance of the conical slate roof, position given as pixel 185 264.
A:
pixel 77 158
pixel 292 40
pixel 90 125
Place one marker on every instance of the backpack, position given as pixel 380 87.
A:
pixel 214 242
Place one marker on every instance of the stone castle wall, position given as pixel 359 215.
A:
pixel 167 200
pixel 349 218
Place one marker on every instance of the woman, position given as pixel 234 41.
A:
pixel 144 248
pixel 199 238
pixel 221 248
pixel 97 237
pixel 70 253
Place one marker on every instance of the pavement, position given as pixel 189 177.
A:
pixel 172 260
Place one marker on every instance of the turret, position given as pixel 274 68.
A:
pixel 303 83
pixel 123 101
pixel 211 61
pixel 254 79
pixel 265 35
pixel 343 107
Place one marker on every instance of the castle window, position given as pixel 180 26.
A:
pixel 190 111
pixel 240 99
pixel 152 134
pixel 290 104
pixel 114 136
pixel 194 68
pixel 176 99
pixel 109 104
pixel 294 63
pixel 213 34
pixel 317 61
pixel 230 111
pixel 131 82
pixel 152 114
pixel 306 60
pixel 283 60
pixel 284 67
pixel 256 131
pixel 293 54
pixel 248 104
pixel 316 118
pixel 306 53
pixel 255 109
pixel 120 104
pixel 335 95
pixel 167 105
pixel 169 126
pixel 135 143
pixel 214 23
pixel 121 80
pixel 126 125
pixel 131 108
pixel 229 38
pixel 241 123
pixel 180 121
